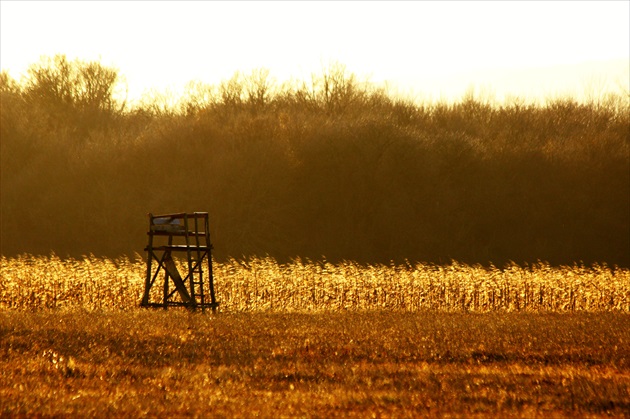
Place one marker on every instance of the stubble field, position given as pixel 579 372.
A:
pixel 316 340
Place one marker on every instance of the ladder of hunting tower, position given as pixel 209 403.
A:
pixel 186 234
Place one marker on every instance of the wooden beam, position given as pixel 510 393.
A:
pixel 170 267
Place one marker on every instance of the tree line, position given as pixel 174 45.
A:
pixel 332 167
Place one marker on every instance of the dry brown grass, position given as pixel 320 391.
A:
pixel 30 282
pixel 354 364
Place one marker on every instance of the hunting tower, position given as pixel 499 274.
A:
pixel 187 236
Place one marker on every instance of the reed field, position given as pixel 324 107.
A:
pixel 316 339
pixel 256 284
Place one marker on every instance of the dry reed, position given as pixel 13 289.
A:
pixel 262 284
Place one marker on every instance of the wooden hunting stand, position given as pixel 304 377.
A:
pixel 189 235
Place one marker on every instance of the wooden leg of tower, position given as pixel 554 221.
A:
pixel 213 300
pixel 211 282
pixel 165 294
pixel 147 282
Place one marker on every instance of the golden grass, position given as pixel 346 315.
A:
pixel 311 339
pixel 262 284
pixel 139 363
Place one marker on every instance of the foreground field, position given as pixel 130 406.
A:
pixel 354 364
pixel 316 340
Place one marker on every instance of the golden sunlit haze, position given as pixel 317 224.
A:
pixel 423 49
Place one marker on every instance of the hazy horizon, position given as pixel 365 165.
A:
pixel 421 50
pixel 587 81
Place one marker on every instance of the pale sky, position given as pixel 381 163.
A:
pixel 420 48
